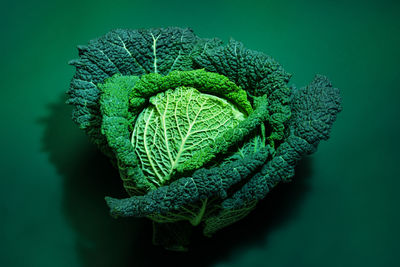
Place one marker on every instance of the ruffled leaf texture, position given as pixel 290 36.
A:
pixel 162 50
pixel 128 52
pixel 314 109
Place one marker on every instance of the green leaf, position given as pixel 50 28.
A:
pixel 176 124
pixel 255 72
pixel 126 52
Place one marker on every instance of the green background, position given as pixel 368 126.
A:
pixel 342 209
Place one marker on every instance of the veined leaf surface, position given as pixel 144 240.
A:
pixel 175 125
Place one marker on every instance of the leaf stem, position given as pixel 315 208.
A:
pixel 196 220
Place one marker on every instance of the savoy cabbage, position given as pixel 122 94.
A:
pixel 199 130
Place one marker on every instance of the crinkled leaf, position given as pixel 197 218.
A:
pixel 315 108
pixel 128 52
pixel 255 72
pixel 176 124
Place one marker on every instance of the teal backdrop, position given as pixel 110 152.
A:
pixel 342 209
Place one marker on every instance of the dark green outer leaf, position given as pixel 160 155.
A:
pixel 315 108
pixel 128 52
pixel 204 183
pixel 256 73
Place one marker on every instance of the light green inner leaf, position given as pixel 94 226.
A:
pixel 175 125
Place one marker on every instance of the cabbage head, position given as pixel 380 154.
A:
pixel 199 130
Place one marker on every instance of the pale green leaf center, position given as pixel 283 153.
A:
pixel 175 125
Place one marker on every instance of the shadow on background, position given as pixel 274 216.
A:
pixel 104 241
